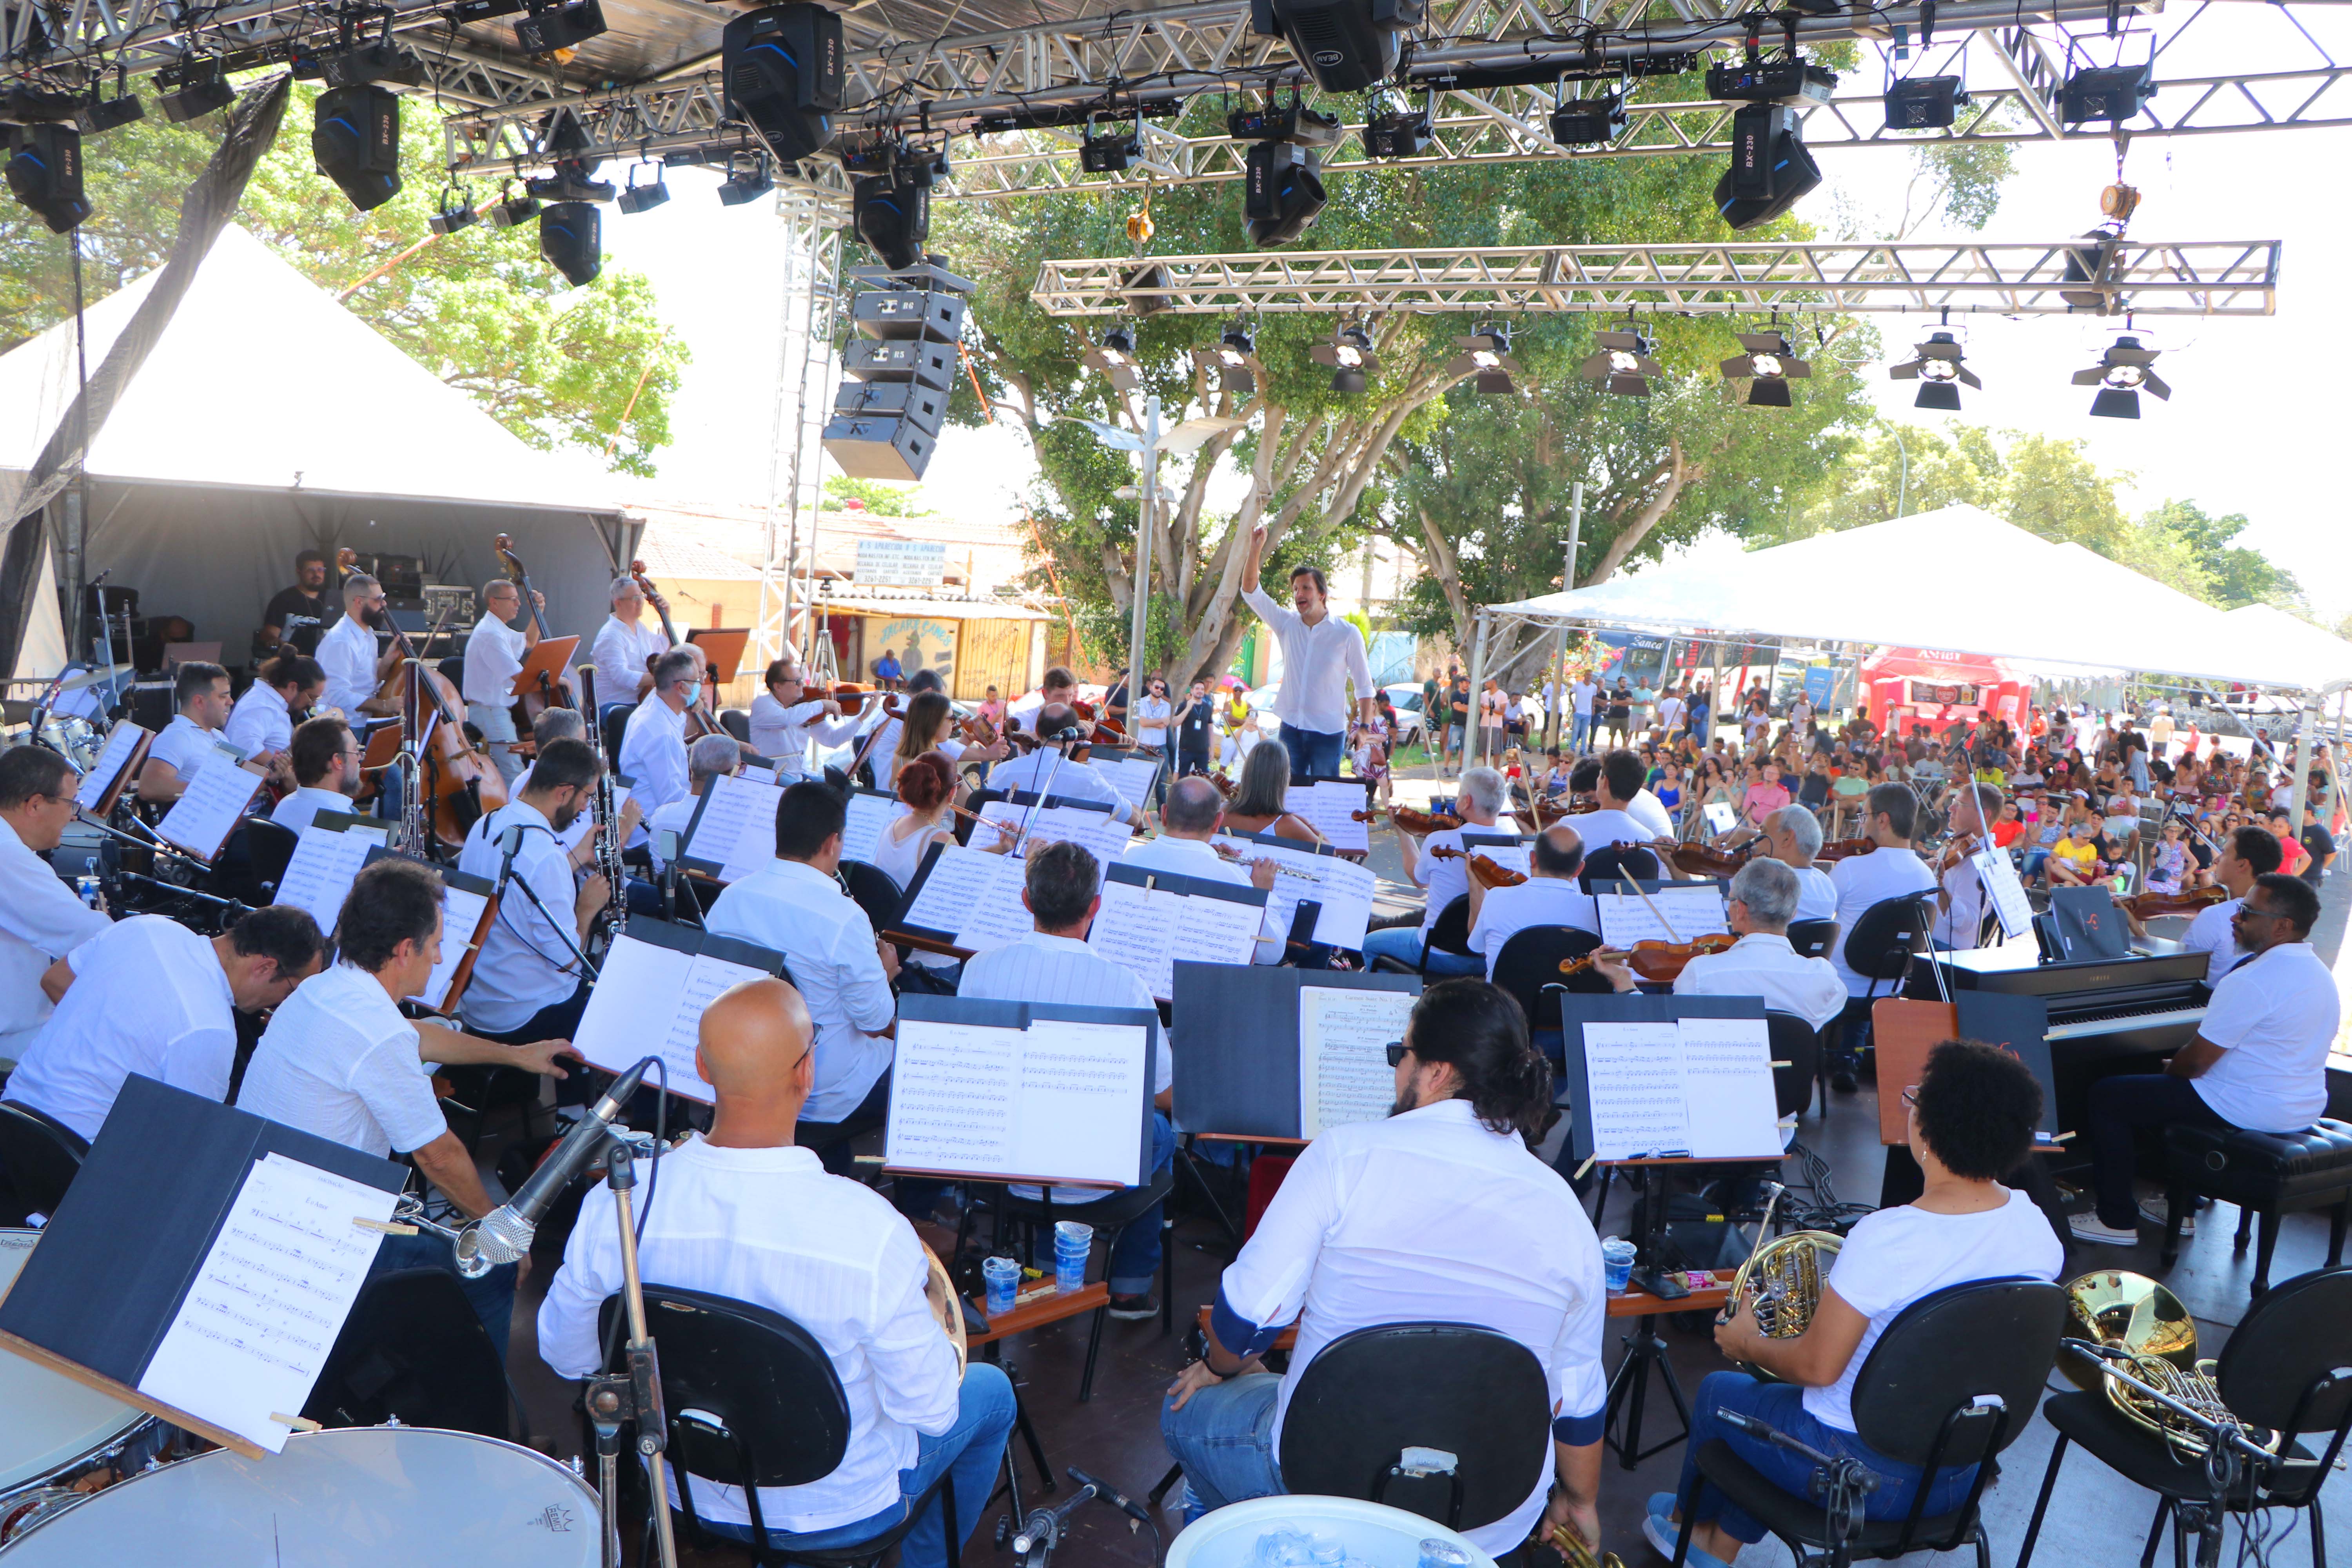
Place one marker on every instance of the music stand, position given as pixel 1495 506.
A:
pixel 723 646
pixel 543 665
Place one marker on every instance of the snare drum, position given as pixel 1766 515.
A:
pixel 358 1496
pixel 61 1439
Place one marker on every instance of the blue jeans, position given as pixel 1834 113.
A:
pixel 1404 944
pixel 1314 753
pixel 493 1296
pixel 1225 1439
pixel 1581 731
pixel 1783 1408
pixel 1135 1251
pixel 969 1452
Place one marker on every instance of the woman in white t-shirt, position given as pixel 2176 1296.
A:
pixel 926 788
pixel 1972 1119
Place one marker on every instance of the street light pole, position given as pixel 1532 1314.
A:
pixel 1560 638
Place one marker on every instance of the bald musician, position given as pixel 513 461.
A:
pixel 355 670
pixel 1550 897
pixel 41 921
pixel 747 1214
pixel 1052 771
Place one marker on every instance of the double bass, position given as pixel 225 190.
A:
pixel 699 720
pixel 455 784
pixel 531 704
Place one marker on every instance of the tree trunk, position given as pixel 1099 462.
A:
pixel 1676 474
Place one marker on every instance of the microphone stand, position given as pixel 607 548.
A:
pixel 635 1392
pixel 1044 791
pixel 506 877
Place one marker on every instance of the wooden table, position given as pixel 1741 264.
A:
pixel 1639 1303
pixel 1038 1306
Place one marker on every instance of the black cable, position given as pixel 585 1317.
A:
pixel 661 1136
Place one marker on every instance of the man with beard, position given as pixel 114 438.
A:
pixel 356 671
pixel 527 984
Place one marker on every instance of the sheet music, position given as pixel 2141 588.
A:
pixel 201 820
pixel 1512 853
pixel 1147 931
pixel 1633 1075
pixel 1719 816
pixel 1133 778
pixel 861 834
pixel 973 894
pixel 268 1299
pixel 1329 804
pixel 461 917
pixel 121 742
pixel 1344 888
pixel 651 998
pixel 319 876
pixel 1106 839
pixel 1058 1102
pixel 2008 894
pixel 1689 913
pixel 736 832
pixel 1727 1086
pixel 1343 1067
pixel 573 837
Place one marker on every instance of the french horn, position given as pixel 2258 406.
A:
pixel 1780 1281
pixel 2133 1314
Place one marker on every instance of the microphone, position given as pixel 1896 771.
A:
pixel 1111 1494
pixel 504 1234
pixel 509 845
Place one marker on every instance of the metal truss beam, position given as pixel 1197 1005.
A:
pixel 2236 278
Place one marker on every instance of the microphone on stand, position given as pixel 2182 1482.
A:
pixel 504 1234
pixel 509 845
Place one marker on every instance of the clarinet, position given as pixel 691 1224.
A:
pixel 614 915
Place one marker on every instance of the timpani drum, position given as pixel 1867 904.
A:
pixel 59 1439
pixel 358 1496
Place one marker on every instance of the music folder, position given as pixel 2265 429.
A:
pixel 144 1289
pixel 117 765
pixel 210 807
pixel 656 982
pixel 1903 1032
pixel 962 901
pixel 723 646
pixel 1022 1091
pixel 546 660
pixel 1257 1049
pixel 1669 1078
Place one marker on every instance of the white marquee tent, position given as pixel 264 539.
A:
pixel 267 419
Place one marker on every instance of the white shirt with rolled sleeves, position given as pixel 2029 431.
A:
pixel 1763 965
pixel 1429 1217
pixel 619 654
pixel 494 656
pixel 2274 1017
pixel 653 757
pixel 1445 878
pixel 339 1061
pixel 791 906
pixel 149 998
pixel 347 652
pixel 41 921
pixel 259 722
pixel 2212 935
pixel 1069 780
pixel 768 1227
pixel 1319 663
pixel 1505 912
pixel 526 963
pixel 1863 880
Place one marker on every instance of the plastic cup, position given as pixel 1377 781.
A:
pixel 1616 1264
pixel 1072 1242
pixel 1003 1278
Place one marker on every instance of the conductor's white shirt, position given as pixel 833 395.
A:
pixel 41 921
pixel 1319 663
pixel 2273 1015
pixel 1429 1217
pixel 791 906
pixel 768 1227
pixel 347 653
pixel 525 963
pixel 619 654
pixel 1762 964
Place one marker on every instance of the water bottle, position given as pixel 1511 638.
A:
pixel 1282 1547
pixel 1442 1555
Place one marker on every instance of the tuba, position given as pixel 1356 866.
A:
pixel 1781 1280
pixel 2134 1314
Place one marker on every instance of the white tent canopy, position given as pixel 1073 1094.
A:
pixel 267 419
pixel 1957 578
pixel 2325 656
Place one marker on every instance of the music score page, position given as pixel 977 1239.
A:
pixel 1058 1101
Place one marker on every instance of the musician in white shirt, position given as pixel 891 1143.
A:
pixel 1438 1212
pixel 347 652
pixel 495 652
pixel 653 745
pixel 1614 779
pixel 325 760
pixel 1889 871
pixel 2248 853
pixel 1971 1121
pixel 1762 962
pixel 2259 1060
pixel 1321 657
pixel 1189 820
pixel 1050 769
pixel 41 919
pixel 710 757
pixel 1054 965
pixel 785 718
pixel 261 725
pixel 1479 805
pixel 747 1212
pixel 200 693
pixel 528 982
pixel 1550 897
pixel 1961 891
pixel 794 906
pixel 625 649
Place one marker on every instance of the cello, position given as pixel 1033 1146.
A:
pixel 455 784
pixel 699 720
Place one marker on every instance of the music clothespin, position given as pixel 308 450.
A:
pixel 1580 1170
pixel 384 1227
pixel 299 1423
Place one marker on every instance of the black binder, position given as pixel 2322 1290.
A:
pixel 1237 1043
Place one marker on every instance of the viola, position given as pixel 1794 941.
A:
pixel 1488 874
pixel 1705 860
pixel 2148 906
pixel 1659 963
pixel 1422 823
pixel 1225 786
pixel 1843 847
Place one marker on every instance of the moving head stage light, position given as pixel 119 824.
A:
pixel 356 137
pixel 782 68
pixel 1345 44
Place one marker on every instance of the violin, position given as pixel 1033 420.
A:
pixel 1491 874
pixel 1957 851
pixel 2148 906
pixel 1104 728
pixel 977 730
pixel 848 693
pixel 1705 860
pixel 1843 847
pixel 1225 786
pixel 1423 823
pixel 1659 963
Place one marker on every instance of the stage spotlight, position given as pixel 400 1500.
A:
pixel 1925 103
pixel 1346 45
pixel 46 174
pixel 1404 134
pixel 101 114
pixel 572 240
pixel 1486 354
pixel 637 198
pixel 1284 192
pixel 356 137
pixel 1291 122
pixel 1115 358
pixel 1769 166
pixel 1350 355
pixel 2113 93
pixel 1768 365
pixel 1790 80
pixel 200 88
pixel 510 210
pixel 2121 374
pixel 747 180
pixel 1234 361
pixel 381 61
pixel 456 213
pixel 893 215
pixel 1111 151
pixel 782 66
pixel 1589 122
pixel 553 28
pixel 1624 366
pixel 1938 372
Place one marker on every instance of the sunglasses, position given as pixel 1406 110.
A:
pixel 1397 1049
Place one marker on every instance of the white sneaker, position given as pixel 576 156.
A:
pixel 2086 1228
pixel 2155 1213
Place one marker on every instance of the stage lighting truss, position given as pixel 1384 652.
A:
pixel 1350 355
pixel 1769 366
pixel 1233 361
pixel 1940 371
pixel 1622 365
pixel 2122 373
pixel 1113 357
pixel 1485 356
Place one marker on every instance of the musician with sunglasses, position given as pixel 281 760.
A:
pixel 1971 1119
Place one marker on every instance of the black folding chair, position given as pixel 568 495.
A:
pixel 874 892
pixel 39 1157
pixel 1616 863
pixel 269 845
pixel 413 1350
pixel 736 722
pixel 1880 947
pixel 1813 939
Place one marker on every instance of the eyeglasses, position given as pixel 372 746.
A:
pixel 1911 1097
pixel 1397 1049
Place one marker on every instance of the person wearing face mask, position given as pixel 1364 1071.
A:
pixel 653 747
pixel 527 982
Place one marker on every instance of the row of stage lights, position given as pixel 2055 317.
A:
pixel 1622 366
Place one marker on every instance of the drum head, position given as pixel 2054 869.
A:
pixel 51 1420
pixel 361 1497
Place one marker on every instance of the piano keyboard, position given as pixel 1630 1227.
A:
pixel 2084 1027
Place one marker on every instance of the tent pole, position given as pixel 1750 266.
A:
pixel 2305 733
pixel 1560 637
pixel 1476 733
